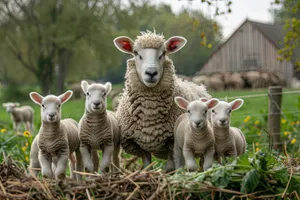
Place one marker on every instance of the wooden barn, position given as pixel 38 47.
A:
pixel 253 46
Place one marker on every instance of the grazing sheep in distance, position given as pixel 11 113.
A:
pixel 57 139
pixel 98 128
pixel 193 134
pixel 229 141
pixel 147 111
pixel 19 115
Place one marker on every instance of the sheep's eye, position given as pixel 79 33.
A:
pixel 140 57
pixel 189 111
pixel 104 93
pixel 205 111
pixel 213 111
pixel 88 94
pixel 229 111
pixel 163 54
pixel 43 105
pixel 135 53
pixel 58 105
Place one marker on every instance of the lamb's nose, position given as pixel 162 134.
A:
pixel 97 103
pixel 151 71
pixel 222 121
pixel 198 123
pixel 51 115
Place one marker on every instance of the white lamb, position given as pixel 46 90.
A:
pixel 193 134
pixel 19 115
pixel 57 139
pixel 98 129
pixel 229 141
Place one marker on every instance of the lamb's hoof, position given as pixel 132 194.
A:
pixel 61 176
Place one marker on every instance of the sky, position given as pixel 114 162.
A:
pixel 256 10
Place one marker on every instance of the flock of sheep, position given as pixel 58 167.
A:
pixel 158 114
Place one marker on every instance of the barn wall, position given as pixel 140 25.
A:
pixel 247 49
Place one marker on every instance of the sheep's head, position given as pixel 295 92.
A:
pixel 222 112
pixel 50 105
pixel 9 106
pixel 197 110
pixel 149 51
pixel 96 96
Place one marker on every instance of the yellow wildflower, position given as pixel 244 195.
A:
pixel 256 122
pixel 298 122
pixel 247 119
pixel 3 130
pixel 283 121
pixel 209 46
pixel 27 134
pixel 26 158
pixel 256 143
pixel 293 123
pixel 286 133
pixel 293 141
pixel 24 148
pixel 26 144
pixel 259 133
pixel 257 149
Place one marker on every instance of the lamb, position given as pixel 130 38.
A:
pixel 19 115
pixel 98 128
pixel 57 139
pixel 193 134
pixel 229 141
pixel 147 111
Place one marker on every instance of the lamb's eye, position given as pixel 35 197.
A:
pixel 229 111
pixel 213 111
pixel 140 57
pixel 135 53
pixel 104 93
pixel 205 111
pixel 188 111
pixel 43 105
pixel 58 105
pixel 88 94
pixel 163 54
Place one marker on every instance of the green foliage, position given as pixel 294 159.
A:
pixel 250 181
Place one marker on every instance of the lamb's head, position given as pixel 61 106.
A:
pixel 149 51
pixel 9 106
pixel 50 105
pixel 221 114
pixel 197 110
pixel 96 96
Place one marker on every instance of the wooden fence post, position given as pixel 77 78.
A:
pixel 274 115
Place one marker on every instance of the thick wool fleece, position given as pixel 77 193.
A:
pixel 147 115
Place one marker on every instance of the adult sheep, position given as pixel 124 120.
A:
pixel 146 111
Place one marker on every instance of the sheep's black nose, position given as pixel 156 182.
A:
pixel 222 121
pixel 51 115
pixel 97 103
pixel 151 71
pixel 198 123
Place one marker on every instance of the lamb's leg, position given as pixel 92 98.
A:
pixel 18 124
pixel 106 158
pixel 146 159
pixel 34 158
pixel 45 161
pixel 72 166
pixel 116 159
pixel 190 160
pixel 79 164
pixel 95 159
pixel 27 126
pixel 86 157
pixel 15 126
pixel 62 161
pixel 208 158
pixel 178 156
pixel 170 166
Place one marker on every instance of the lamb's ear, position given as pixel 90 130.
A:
pixel 212 103
pixel 36 97
pixel 17 104
pixel 203 99
pixel 107 88
pixel 65 96
pixel 124 44
pixel 174 44
pixel 84 86
pixel 236 104
pixel 181 102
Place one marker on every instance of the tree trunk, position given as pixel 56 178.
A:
pixel 64 57
pixel 45 73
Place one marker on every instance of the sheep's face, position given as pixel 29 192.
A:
pixel 149 52
pixel 96 96
pixel 221 114
pixel 10 106
pixel 50 105
pixel 197 110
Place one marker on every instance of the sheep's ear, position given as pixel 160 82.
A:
pixel 212 103
pixel 204 99
pixel 236 104
pixel 36 97
pixel 124 44
pixel 4 105
pixel 17 104
pixel 174 44
pixel 181 102
pixel 107 88
pixel 84 86
pixel 65 96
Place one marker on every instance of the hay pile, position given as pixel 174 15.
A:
pixel 151 184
